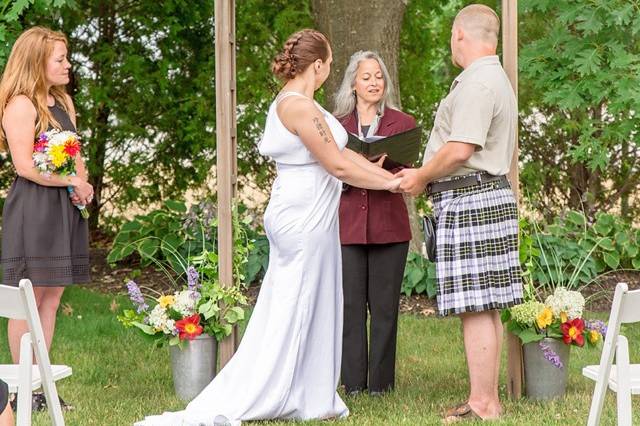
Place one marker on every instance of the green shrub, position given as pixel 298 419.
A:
pixel 573 252
pixel 172 233
pixel 419 276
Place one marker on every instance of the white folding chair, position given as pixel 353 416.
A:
pixel 20 303
pixel 622 378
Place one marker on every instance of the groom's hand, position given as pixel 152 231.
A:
pixel 412 183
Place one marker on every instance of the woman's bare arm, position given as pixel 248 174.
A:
pixel 303 117
pixel 19 127
pixel 366 164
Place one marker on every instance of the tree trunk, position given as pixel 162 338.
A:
pixel 106 25
pixel 364 25
pixel 359 25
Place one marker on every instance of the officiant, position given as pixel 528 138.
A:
pixel 374 233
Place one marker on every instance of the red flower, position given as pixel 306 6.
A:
pixel 72 147
pixel 189 328
pixel 572 331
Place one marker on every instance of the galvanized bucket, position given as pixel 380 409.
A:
pixel 542 379
pixel 193 366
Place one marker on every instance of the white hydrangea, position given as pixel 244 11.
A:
pixel 567 301
pixel 159 320
pixel 185 303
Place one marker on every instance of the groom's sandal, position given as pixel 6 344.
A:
pixel 460 413
pixel 452 411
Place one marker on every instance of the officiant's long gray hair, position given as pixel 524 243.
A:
pixel 345 97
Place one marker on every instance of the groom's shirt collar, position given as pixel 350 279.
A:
pixel 480 62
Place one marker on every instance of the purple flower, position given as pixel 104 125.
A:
pixel 136 297
pixel 192 278
pixel 597 325
pixel 550 355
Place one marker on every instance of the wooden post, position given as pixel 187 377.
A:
pixel 225 148
pixel 510 63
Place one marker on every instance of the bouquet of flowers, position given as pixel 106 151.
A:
pixel 55 152
pixel 186 313
pixel 559 317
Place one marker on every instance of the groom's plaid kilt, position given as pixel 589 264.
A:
pixel 477 262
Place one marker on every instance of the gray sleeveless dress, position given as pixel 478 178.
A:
pixel 44 238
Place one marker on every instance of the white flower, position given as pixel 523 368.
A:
pixel 185 303
pixel 567 301
pixel 159 320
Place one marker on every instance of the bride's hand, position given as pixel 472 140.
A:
pixel 393 185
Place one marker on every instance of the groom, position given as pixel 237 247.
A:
pixel 466 160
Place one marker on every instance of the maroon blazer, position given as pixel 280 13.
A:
pixel 375 217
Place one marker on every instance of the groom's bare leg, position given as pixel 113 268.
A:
pixel 482 349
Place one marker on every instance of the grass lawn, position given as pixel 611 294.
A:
pixel 118 377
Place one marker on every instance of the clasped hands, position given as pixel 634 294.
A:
pixel 82 192
pixel 407 181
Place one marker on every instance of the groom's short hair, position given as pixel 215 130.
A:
pixel 480 21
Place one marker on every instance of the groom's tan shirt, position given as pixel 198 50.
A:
pixel 480 109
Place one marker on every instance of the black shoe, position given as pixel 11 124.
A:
pixel 39 403
pixel 13 401
pixel 353 392
pixel 377 393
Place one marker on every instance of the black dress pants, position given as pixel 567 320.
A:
pixel 371 281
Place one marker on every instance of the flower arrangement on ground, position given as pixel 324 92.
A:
pixel 55 151
pixel 559 317
pixel 199 303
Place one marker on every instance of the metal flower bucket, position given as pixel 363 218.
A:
pixel 543 378
pixel 193 366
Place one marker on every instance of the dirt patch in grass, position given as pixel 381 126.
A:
pixel 112 280
pixel 599 294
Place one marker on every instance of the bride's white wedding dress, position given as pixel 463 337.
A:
pixel 288 363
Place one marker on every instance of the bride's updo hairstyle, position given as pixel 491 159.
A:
pixel 300 50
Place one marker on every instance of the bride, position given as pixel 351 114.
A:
pixel 288 363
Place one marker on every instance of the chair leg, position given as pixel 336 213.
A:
pixel 623 397
pixel 25 380
pixel 602 383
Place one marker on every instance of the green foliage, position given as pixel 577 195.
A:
pixel 162 233
pixel 579 97
pixel 572 252
pixel 144 91
pixel 258 258
pixel 12 15
pixel 220 305
pixel 419 276
pixel 170 234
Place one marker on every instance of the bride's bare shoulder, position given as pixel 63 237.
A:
pixel 292 111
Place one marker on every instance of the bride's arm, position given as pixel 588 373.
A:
pixel 366 164
pixel 303 117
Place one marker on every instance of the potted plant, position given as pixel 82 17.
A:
pixel 193 317
pixel 550 321
pixel 547 331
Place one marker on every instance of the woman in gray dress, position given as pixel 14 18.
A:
pixel 44 237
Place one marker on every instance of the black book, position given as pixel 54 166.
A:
pixel 402 149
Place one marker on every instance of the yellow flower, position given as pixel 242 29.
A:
pixel 594 336
pixel 58 155
pixel 545 318
pixel 165 301
pixel 563 317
